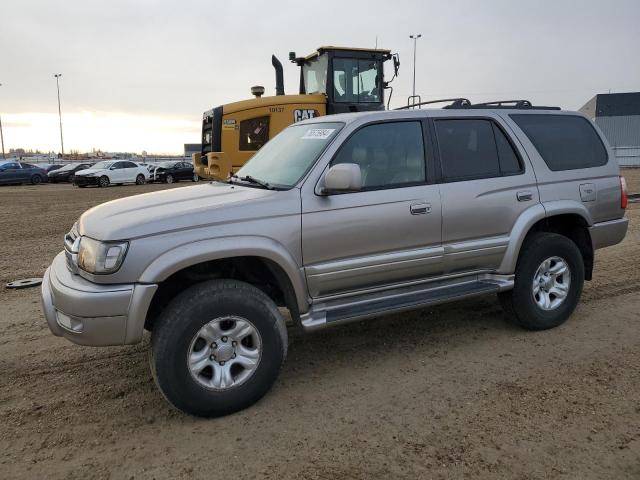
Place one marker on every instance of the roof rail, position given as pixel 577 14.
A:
pixel 459 102
pixel 463 103
pixel 508 104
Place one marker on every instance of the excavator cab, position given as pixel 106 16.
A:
pixel 332 80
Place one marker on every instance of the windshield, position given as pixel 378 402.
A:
pixel 102 165
pixel 69 166
pixel 314 73
pixel 285 159
pixel 356 80
pixel 165 165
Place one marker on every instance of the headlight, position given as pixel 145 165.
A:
pixel 101 257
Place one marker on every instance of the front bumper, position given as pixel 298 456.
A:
pixel 82 180
pixel 88 313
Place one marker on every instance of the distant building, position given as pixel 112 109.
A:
pixel 618 116
pixel 191 148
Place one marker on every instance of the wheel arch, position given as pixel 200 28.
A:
pixel 568 218
pixel 260 261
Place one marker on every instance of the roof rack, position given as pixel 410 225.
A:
pixel 459 102
pixel 510 104
pixel 463 103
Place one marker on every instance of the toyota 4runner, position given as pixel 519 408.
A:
pixel 338 219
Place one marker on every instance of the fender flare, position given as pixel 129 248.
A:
pixel 529 218
pixel 186 255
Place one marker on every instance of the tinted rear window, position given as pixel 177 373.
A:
pixel 467 149
pixel 565 142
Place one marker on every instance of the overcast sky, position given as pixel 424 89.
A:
pixel 137 75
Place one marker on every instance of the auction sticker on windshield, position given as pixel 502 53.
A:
pixel 319 133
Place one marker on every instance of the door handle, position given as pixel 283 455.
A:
pixel 420 208
pixel 524 196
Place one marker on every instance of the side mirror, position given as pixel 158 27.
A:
pixel 344 177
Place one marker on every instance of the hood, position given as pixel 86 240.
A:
pixel 90 171
pixel 184 208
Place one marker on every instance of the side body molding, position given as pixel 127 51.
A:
pixel 528 218
pixel 186 255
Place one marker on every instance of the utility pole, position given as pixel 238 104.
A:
pixel 58 75
pixel 415 40
pixel 2 137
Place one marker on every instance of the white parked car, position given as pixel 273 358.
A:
pixel 107 172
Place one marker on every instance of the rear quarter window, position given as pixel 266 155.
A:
pixel 565 142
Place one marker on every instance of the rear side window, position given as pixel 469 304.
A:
pixel 474 148
pixel 565 142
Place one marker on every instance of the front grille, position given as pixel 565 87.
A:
pixel 70 248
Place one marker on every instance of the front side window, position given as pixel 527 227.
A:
pixel 356 80
pixel 314 75
pixel 389 154
pixel 254 133
pixel 565 142
pixel 290 154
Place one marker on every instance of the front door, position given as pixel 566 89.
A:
pixel 388 232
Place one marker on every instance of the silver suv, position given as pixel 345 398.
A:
pixel 337 219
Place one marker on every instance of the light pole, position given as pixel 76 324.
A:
pixel 415 40
pixel 58 75
pixel 2 137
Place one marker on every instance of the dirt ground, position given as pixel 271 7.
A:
pixel 447 392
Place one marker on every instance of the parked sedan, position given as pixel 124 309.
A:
pixel 107 172
pixel 66 173
pixel 169 172
pixel 18 173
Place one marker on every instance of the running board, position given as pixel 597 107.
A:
pixel 324 314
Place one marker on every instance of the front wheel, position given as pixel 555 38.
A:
pixel 169 178
pixel 217 348
pixel 140 180
pixel 195 178
pixel 548 282
pixel 36 180
pixel 104 181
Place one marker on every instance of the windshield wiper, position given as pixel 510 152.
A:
pixel 255 181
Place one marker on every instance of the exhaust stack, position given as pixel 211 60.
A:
pixel 279 75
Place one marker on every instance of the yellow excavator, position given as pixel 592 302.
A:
pixel 332 80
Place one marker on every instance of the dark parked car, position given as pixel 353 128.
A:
pixel 18 173
pixel 169 172
pixel 51 168
pixel 66 173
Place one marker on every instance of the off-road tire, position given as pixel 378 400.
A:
pixel 103 181
pixel 185 315
pixel 519 303
pixel 36 179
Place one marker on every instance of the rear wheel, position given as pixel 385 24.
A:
pixel 103 181
pixel 140 180
pixel 36 179
pixel 548 282
pixel 217 348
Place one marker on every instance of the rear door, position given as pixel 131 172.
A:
pixel 186 171
pixel 486 184
pixel 130 171
pixel 387 233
